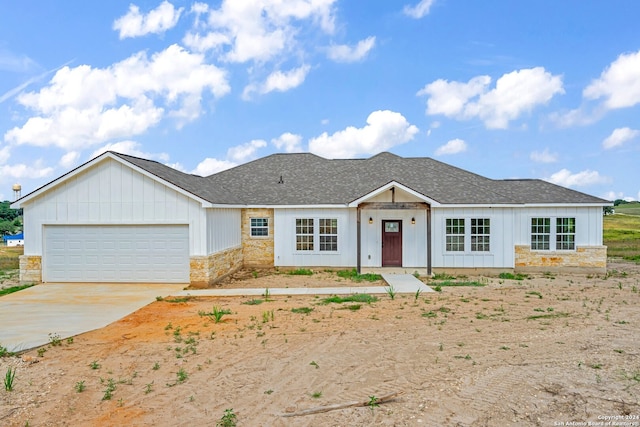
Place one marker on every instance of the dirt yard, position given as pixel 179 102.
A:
pixel 544 351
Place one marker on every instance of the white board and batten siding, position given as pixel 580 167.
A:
pixel 285 253
pixel 115 200
pixel 588 223
pixel 501 244
pixel 223 229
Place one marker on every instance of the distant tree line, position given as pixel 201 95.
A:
pixel 622 202
pixel 10 219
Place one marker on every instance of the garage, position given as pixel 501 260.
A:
pixel 116 253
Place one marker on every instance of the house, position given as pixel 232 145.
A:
pixel 15 240
pixel 119 218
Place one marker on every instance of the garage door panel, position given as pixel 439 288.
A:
pixel 103 253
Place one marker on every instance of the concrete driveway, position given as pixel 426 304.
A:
pixel 28 317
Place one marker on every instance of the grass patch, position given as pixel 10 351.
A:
pixel 254 302
pixel 365 298
pixel 13 289
pixel 511 276
pixel 354 276
pixel 458 283
pixel 621 233
pixel 301 272
pixel 442 276
pixel 548 316
pixel 302 310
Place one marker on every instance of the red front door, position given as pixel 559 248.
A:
pixel 391 243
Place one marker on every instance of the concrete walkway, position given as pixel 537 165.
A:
pixel 28 317
pixel 400 283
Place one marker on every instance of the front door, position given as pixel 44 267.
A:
pixel 391 243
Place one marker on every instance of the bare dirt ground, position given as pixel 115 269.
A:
pixel 539 352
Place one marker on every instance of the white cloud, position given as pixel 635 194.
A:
pixel 544 156
pixel 279 81
pixel 22 171
pixel 619 84
pixel 210 166
pixel 346 53
pixel 131 148
pixel 612 195
pixel 290 142
pixel 419 10
pixel 69 160
pixel 565 178
pixel 384 130
pixel 243 152
pixel 258 30
pixel 5 153
pixel 158 20
pixel 515 94
pixel 618 137
pixel 454 146
pixel 84 106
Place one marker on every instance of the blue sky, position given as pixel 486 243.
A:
pixel 506 89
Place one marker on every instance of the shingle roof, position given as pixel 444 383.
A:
pixel 307 179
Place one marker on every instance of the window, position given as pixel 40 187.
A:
pixel 259 227
pixel 480 234
pixel 455 235
pixel 328 235
pixel 540 234
pixel 304 234
pixel 565 234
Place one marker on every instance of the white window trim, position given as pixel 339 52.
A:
pixel 553 244
pixel 467 235
pixel 316 236
pixel 251 228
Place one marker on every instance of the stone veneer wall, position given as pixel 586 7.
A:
pixel 257 251
pixel 30 269
pixel 585 259
pixel 206 270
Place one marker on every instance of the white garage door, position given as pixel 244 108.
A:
pixel 116 253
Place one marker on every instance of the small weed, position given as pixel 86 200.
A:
pixel 353 307
pixel 148 388
pixel 438 288
pixel 617 350
pixel 182 375
pixel 597 366
pixel 108 392
pixel 41 351
pixel 216 313
pixel 314 363
pixel 94 365
pixel 481 316
pixel 373 403
pixel 430 314
pixel 54 340
pixel 268 391
pixel 254 274
pixel 253 302
pixel 504 347
pixel 156 366
pixel 417 295
pixel 391 292
pixel 169 326
pixel 9 377
pixel 317 395
pixel 536 293
pixel 228 419
pixel 512 276
pixel 79 387
pixel 302 310
pixel 120 403
pixel 178 300
pixel 4 352
pixel 159 299
pixel 548 316
pixel 266 316
pixel 266 294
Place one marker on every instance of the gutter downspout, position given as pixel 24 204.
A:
pixel 358 244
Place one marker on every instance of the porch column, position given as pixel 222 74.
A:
pixel 358 244
pixel 428 212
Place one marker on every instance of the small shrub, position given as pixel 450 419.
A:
pixel 79 387
pixel 182 375
pixel 54 340
pixel 94 365
pixel 228 419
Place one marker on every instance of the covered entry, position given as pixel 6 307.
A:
pixel 392 243
pixel 116 253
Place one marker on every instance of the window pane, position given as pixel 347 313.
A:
pixel 304 234
pixel 328 234
pixel 540 234
pixel 565 234
pixel 480 234
pixel 259 227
